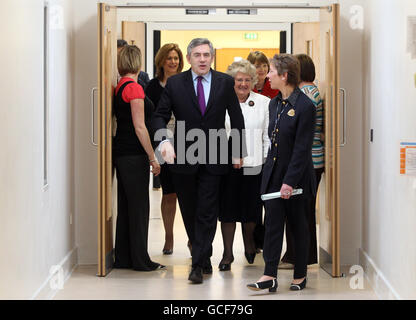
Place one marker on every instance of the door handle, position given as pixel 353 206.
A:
pixel 93 116
pixel 344 122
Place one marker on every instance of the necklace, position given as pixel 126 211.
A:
pixel 284 104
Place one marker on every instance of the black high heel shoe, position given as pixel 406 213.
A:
pixel 250 257
pixel 167 252
pixel 268 284
pixel 225 266
pixel 298 287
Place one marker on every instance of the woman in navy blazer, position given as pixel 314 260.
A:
pixel 288 166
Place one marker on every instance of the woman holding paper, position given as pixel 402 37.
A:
pixel 288 166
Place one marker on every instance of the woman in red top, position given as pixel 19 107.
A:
pixel 261 62
pixel 133 155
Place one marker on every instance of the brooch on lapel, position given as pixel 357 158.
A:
pixel 291 113
pixel 251 103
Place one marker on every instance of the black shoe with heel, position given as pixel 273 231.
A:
pixel 225 266
pixel 298 287
pixel 250 257
pixel 268 284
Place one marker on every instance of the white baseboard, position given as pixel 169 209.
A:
pixel 68 265
pixel 378 281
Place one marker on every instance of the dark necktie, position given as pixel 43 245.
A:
pixel 200 95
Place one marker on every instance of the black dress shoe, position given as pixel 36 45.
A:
pixel 207 269
pixel 196 275
pixel 250 257
pixel 298 287
pixel 167 252
pixel 268 284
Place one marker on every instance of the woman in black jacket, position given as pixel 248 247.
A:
pixel 288 166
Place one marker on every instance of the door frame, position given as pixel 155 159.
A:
pixel 151 26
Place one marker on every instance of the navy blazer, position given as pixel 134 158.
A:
pixel 289 160
pixel 180 98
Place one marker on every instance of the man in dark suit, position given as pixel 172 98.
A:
pixel 199 99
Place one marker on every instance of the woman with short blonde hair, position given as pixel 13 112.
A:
pixel 243 66
pixel 240 194
pixel 129 60
pixel 133 155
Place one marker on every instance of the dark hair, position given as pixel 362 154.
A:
pixel 163 54
pixel 307 68
pixel 121 43
pixel 199 42
pixel 287 63
pixel 258 57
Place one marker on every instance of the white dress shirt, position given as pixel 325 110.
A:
pixel 256 120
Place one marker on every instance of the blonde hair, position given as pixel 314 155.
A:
pixel 163 54
pixel 129 60
pixel 243 66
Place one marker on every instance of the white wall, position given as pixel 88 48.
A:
pixel 86 162
pixel 35 229
pixel 389 217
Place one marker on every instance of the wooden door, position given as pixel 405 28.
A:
pixel 306 37
pixel 107 80
pixel 329 228
pixel 135 33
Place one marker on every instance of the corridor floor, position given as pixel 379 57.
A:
pixel 172 283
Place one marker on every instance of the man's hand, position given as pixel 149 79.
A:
pixel 168 153
pixel 238 163
pixel 286 191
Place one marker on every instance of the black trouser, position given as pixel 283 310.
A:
pixel 132 213
pixel 295 209
pixel 198 197
pixel 311 216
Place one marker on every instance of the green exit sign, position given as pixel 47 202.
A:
pixel 251 36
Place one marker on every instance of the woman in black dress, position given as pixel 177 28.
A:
pixel 132 155
pixel 288 166
pixel 240 195
pixel 168 61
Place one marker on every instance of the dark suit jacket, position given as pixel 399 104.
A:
pixel 143 79
pixel 289 160
pixel 179 97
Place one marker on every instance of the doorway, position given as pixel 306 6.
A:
pixel 329 86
